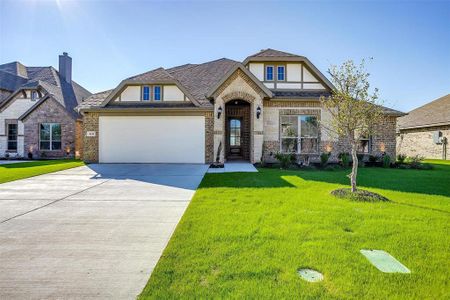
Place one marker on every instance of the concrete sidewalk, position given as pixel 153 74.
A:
pixel 90 232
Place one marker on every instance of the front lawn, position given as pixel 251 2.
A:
pixel 10 172
pixel 245 236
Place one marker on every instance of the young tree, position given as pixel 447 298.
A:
pixel 354 109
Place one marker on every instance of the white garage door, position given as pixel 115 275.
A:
pixel 152 139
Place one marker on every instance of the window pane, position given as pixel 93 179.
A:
pixel 12 145
pixel 157 93
pixel 289 126
pixel 45 132
pixel 269 73
pixel 280 73
pixel 146 93
pixel 289 145
pixel 308 145
pixel 56 132
pixel 56 145
pixel 363 146
pixel 309 126
pixel 44 145
pixel 12 132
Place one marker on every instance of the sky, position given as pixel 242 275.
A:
pixel 110 40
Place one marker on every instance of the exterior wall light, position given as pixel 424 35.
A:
pixel 258 112
pixel 219 112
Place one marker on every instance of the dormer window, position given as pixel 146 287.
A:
pixel 157 93
pixel 280 73
pixel 34 95
pixel 269 73
pixel 146 93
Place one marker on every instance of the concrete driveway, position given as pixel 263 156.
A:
pixel 90 232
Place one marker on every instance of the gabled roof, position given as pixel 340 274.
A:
pixel 276 55
pixel 15 77
pixel 273 53
pixel 241 67
pixel 434 113
pixel 194 80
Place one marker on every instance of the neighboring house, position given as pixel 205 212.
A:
pixel 218 111
pixel 37 116
pixel 425 131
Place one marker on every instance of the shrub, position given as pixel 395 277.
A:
pixel 386 161
pixel 332 168
pixel 415 161
pixel 360 160
pixel 425 167
pixel 401 158
pixel 373 158
pixel 285 159
pixel 324 157
pixel 345 159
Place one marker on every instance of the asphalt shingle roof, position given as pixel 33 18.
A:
pixel 14 76
pixel 434 113
pixel 273 53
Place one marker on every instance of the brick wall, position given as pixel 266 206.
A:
pixel 383 141
pixel 90 143
pixel 49 112
pixel 420 142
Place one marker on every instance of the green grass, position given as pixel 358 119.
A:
pixel 23 170
pixel 245 236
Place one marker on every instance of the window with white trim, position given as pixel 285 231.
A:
pixel 157 93
pixel 280 73
pixel 34 95
pixel 299 134
pixel 12 136
pixel 269 73
pixel 50 136
pixel 364 145
pixel 146 93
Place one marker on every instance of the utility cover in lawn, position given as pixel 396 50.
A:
pixel 384 262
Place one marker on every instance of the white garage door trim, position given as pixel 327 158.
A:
pixel 152 139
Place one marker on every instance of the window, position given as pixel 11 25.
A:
pixel 12 137
pixel 157 93
pixel 269 73
pixel 50 136
pixel 280 73
pixel 235 132
pixel 364 145
pixel 34 95
pixel 146 93
pixel 299 134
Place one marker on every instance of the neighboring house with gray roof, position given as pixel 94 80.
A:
pixel 425 131
pixel 220 110
pixel 37 110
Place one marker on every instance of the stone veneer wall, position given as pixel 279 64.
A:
pixel 239 87
pixel 419 141
pixel 49 112
pixel 382 141
pixel 90 143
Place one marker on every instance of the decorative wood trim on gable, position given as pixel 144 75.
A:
pixel 246 78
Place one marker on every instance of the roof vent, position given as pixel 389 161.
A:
pixel 65 67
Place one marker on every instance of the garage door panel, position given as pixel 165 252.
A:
pixel 152 139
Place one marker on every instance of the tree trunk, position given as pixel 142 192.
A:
pixel 354 168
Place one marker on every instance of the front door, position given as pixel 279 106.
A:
pixel 234 138
pixel 237 128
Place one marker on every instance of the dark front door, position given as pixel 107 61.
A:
pixel 234 138
pixel 237 130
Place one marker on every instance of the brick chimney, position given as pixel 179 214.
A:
pixel 65 67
